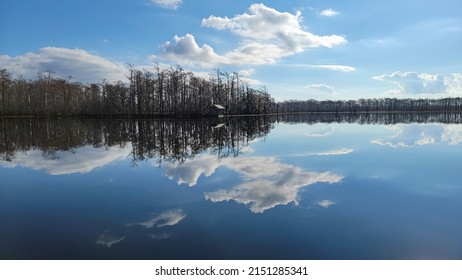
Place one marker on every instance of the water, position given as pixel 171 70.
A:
pixel 288 187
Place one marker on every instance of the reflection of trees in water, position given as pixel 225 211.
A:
pixel 181 139
pixel 170 139
pixel 372 118
pixel 46 135
pixel 163 139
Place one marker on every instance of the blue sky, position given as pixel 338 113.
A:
pixel 298 49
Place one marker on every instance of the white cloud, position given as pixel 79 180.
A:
pixel 167 218
pixel 412 135
pixel 332 67
pixel 80 160
pixel 326 203
pixel 454 83
pixel 339 152
pixel 329 13
pixel 79 64
pixel 168 4
pixel 267 35
pixel 342 68
pixel 254 53
pixel 187 51
pixel 245 75
pixel 86 67
pixel 265 24
pixel 415 83
pixel 323 88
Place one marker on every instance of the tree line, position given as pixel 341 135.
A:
pixel 372 105
pixel 174 91
pixel 171 91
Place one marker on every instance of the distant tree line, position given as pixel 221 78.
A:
pixel 372 105
pixel 170 91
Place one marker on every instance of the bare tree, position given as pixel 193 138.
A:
pixel 5 82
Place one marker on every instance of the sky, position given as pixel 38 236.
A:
pixel 302 49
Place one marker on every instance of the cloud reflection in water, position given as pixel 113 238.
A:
pixel 81 160
pixel 167 218
pixel 108 240
pixel 326 203
pixel 412 135
pixel 266 182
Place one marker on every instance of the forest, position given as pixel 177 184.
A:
pixel 170 91
pixel 176 92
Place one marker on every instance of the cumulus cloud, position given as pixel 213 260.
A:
pixel 167 218
pixel 79 64
pixel 421 83
pixel 80 160
pixel 326 203
pixel 187 51
pixel 323 88
pixel 412 135
pixel 267 24
pixel 86 67
pixel 168 4
pixel 267 35
pixel 329 13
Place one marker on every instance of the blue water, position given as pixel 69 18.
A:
pixel 300 191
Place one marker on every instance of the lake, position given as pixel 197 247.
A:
pixel 332 186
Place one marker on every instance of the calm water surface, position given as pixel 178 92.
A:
pixel 287 187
